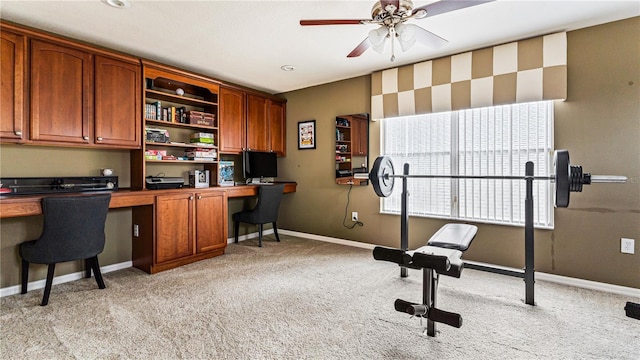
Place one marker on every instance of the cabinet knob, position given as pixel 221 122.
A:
pixel 199 197
pixel 99 138
pixel 18 133
pixel 85 138
pixel 190 197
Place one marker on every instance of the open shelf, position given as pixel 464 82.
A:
pixel 181 145
pixel 160 95
pixel 179 125
pixel 182 161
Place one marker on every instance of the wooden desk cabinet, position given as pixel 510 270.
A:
pixel 211 221
pixel 189 226
pixel 171 227
pixel 174 227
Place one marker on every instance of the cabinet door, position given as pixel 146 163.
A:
pixel 211 221
pixel 277 128
pixel 12 62
pixel 174 226
pixel 257 124
pixel 61 93
pixel 359 136
pixel 117 103
pixel 232 126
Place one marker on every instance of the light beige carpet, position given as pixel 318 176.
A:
pixel 304 299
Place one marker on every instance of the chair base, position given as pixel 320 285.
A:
pixel 236 228
pixel 91 264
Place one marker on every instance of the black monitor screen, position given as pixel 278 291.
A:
pixel 259 164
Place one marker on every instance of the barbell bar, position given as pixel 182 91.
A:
pixel 567 178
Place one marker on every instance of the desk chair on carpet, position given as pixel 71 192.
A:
pixel 265 211
pixel 73 230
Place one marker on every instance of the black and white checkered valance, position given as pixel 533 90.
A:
pixel 523 71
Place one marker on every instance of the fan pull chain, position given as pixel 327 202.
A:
pixel 392 32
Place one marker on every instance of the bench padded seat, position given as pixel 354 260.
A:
pixel 453 236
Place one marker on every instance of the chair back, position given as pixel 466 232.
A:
pixel 73 227
pixel 269 196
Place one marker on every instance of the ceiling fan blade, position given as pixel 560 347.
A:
pixel 445 6
pixel 360 49
pixel 426 37
pixel 333 22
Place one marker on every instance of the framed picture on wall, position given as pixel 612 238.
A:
pixel 306 134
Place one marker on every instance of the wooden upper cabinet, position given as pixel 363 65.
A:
pixel 12 77
pixel 277 128
pixel 61 93
pixel 359 136
pixel 118 103
pixel 257 124
pixel 232 126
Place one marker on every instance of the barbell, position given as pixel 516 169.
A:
pixel 568 178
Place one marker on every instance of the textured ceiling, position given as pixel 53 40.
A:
pixel 246 42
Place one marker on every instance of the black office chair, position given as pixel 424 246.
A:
pixel 73 230
pixel 265 211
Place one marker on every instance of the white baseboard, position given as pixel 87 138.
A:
pixel 39 284
pixel 328 239
pixel 251 236
pixel 585 284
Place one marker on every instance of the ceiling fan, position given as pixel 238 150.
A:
pixel 391 15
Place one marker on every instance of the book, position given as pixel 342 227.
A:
pixel 225 173
pixel 158 110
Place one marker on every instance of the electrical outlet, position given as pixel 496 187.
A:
pixel 354 216
pixel 627 246
pixel 136 230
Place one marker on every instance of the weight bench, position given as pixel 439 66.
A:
pixel 441 255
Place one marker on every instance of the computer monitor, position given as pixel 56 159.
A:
pixel 259 164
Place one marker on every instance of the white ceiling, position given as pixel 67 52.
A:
pixel 246 42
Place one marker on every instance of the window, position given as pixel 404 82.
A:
pixel 489 141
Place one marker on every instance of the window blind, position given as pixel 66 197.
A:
pixel 488 141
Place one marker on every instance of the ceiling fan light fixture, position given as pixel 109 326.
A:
pixel 378 38
pixel 406 35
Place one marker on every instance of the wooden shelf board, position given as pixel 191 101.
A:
pixel 181 161
pixel 182 145
pixel 163 96
pixel 179 125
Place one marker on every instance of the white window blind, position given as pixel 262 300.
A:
pixel 488 141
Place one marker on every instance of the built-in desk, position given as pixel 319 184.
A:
pixel 28 205
pixel 173 227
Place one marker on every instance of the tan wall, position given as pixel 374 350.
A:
pixel 599 123
pixel 24 161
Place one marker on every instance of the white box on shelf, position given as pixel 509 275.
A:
pixel 199 178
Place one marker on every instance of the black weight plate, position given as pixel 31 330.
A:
pixel 382 184
pixel 563 171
